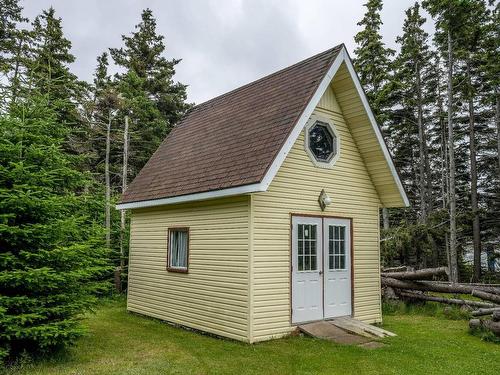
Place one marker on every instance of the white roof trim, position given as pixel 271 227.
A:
pixel 285 149
pixel 342 56
pixel 375 127
pixel 192 197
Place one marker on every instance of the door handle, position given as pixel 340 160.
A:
pixel 320 273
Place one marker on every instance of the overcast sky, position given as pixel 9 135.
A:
pixel 223 43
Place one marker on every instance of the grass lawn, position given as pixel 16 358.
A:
pixel 122 343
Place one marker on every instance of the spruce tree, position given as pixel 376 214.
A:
pixel 413 88
pixel 48 71
pixel 10 15
pixel 12 41
pixel 154 101
pixel 53 262
pixel 373 62
pixel 489 162
pixel 469 73
pixel 373 65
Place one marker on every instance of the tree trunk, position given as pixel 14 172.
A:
pixel 396 269
pixel 449 301
pixel 492 326
pixel 490 288
pixel 422 149
pixel 108 185
pixel 418 274
pixel 430 286
pixel 15 77
pixel 496 315
pixel 124 187
pixel 444 153
pixel 497 122
pixel 488 324
pixel 451 154
pixel 485 311
pixel 385 218
pixel 476 231
pixel 485 295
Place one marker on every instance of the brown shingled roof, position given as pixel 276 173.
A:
pixel 231 140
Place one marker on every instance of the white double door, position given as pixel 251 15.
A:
pixel 321 268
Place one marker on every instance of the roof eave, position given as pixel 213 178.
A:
pixel 278 160
pixel 238 190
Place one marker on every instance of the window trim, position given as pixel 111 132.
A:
pixel 169 267
pixel 328 122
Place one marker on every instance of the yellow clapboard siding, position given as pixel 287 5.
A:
pixel 295 189
pixel 213 296
pixel 238 283
pixel 364 136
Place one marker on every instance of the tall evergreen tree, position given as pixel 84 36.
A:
pixel 474 118
pixel 48 68
pixel 373 65
pixel 52 256
pixel 10 15
pixel 414 81
pixel 154 101
pixel 11 41
pixel 489 92
pixel 449 15
pixel 373 61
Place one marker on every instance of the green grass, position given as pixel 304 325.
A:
pixel 123 343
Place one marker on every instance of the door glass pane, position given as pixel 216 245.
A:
pixel 313 262
pixel 307 247
pixel 336 248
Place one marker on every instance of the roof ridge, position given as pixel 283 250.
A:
pixel 222 161
pixel 246 85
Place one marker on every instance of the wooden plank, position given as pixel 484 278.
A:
pixel 375 328
pixel 327 331
pixel 361 328
pixel 348 326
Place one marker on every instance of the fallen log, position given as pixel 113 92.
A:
pixel 485 311
pixel 449 301
pixel 487 296
pixel 396 269
pixel 432 286
pixel 388 293
pixel 425 287
pixel 492 326
pixel 474 323
pixel 422 274
pixel 496 316
pixel 488 324
pixel 490 288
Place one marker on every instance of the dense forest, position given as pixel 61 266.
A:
pixel 437 101
pixel 68 148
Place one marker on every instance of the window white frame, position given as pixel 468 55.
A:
pixel 328 122
pixel 173 245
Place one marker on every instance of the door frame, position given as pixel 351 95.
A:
pixel 322 217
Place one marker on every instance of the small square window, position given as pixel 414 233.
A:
pixel 178 249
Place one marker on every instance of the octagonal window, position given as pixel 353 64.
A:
pixel 322 142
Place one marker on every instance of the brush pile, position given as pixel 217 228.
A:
pixel 421 285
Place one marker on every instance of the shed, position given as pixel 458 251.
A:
pixel 260 210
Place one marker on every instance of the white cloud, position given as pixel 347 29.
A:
pixel 223 43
